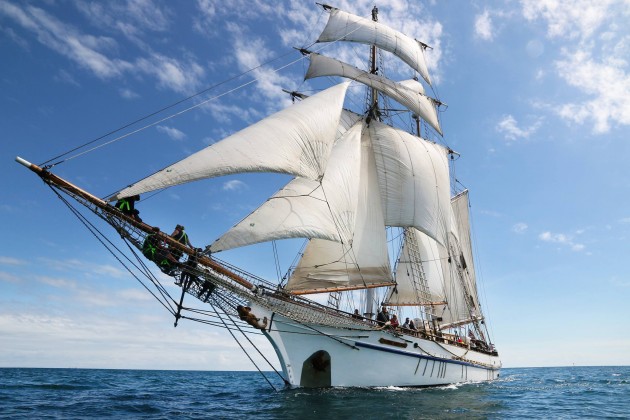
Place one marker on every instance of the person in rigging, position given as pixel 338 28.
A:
pixel 127 206
pixel 153 248
pixel 180 235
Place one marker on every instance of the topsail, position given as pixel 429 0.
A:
pixel 343 26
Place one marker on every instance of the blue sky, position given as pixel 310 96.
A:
pixel 538 96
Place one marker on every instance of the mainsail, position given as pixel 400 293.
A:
pixel 414 180
pixel 363 261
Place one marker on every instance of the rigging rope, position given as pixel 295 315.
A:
pixel 166 108
pixel 253 345
pixel 243 348
pixel 93 230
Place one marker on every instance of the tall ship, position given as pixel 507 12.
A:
pixel 383 290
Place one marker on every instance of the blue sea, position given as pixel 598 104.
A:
pixel 549 393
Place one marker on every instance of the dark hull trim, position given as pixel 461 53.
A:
pixel 422 356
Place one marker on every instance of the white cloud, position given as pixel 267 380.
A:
pixel 85 50
pixel 234 185
pixel 625 220
pixel 130 18
pixel 250 54
pixel 182 77
pixel 172 132
pixel 606 82
pixel 97 53
pixel 508 126
pixel 11 261
pixel 85 268
pixel 483 26
pixel 594 61
pixel 562 239
pixel 11 278
pixel 519 227
pixel 128 94
pixel 57 282
pixel 569 18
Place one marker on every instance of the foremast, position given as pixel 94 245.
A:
pixel 368 304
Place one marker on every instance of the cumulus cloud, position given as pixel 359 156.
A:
pixel 606 83
pixel 483 26
pixel 562 239
pixel 508 126
pixel 172 132
pixel 594 62
pixel 569 18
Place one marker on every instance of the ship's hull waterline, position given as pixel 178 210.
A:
pixel 313 355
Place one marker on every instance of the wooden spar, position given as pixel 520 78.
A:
pixel 340 289
pixel 415 304
pixel 51 178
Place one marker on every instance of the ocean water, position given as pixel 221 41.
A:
pixel 549 393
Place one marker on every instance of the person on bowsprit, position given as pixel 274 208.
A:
pixel 127 206
pixel 189 270
pixel 180 235
pixel 153 248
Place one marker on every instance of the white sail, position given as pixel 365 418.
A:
pixel 305 208
pixel 407 94
pixel 414 181
pixel 413 84
pixel 460 205
pixel 296 140
pixel 456 308
pixel 364 261
pixel 348 27
pixel 427 272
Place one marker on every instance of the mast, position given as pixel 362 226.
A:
pixel 369 293
pixel 373 68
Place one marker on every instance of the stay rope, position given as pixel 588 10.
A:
pixel 109 246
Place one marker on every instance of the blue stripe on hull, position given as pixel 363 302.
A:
pixel 420 356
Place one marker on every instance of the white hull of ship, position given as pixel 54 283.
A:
pixel 370 358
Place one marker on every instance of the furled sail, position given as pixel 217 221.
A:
pixel 348 27
pixel 305 208
pixel 419 277
pixel 407 93
pixel 414 181
pixel 364 261
pixel 296 140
